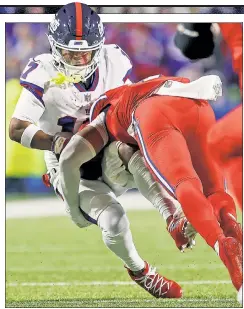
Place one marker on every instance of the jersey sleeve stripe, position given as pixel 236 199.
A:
pixel 34 89
pixel 127 75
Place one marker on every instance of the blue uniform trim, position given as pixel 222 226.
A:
pixel 88 218
pixel 127 75
pixel 34 89
pixel 162 179
pixel 93 85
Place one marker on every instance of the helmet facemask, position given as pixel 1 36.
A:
pixel 77 59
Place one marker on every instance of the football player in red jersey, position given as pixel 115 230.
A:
pixel 168 118
pixel 196 41
pixel 225 137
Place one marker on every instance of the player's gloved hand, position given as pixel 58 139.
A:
pixel 188 231
pixel 113 169
pixel 50 177
pixel 60 140
pixel 76 216
pixel 181 231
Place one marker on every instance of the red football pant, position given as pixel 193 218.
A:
pixel 225 144
pixel 171 133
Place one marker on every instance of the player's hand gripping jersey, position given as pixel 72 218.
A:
pixel 54 101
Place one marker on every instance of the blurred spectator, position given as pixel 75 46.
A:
pixel 23 41
pixel 35 10
pixel 128 10
pixel 109 10
pixel 8 10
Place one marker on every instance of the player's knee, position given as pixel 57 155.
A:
pixel 184 172
pixel 94 203
pixel 113 220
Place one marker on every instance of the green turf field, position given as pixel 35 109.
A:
pixel 52 263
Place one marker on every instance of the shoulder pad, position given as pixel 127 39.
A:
pixel 36 74
pixel 38 70
pixel 119 60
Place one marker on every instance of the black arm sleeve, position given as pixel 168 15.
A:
pixel 195 40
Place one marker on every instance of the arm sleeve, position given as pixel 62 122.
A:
pixel 195 40
pixel 151 189
pixel 114 172
pixel 77 152
pixel 28 107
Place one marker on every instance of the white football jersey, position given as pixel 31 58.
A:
pixel 55 108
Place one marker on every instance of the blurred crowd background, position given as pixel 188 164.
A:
pixel 127 10
pixel 152 51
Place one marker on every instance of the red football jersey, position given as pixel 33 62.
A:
pixel 233 36
pixel 121 103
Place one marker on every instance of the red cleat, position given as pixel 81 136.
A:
pixel 230 226
pixel 155 284
pixel 180 231
pixel 230 252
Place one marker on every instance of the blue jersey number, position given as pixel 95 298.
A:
pixel 31 66
pixel 67 123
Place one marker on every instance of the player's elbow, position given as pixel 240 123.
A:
pixel 14 130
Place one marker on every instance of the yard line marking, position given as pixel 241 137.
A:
pixel 110 268
pixel 107 283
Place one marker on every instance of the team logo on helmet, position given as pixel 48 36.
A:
pixel 54 25
pixel 100 28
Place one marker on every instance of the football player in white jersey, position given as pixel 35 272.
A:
pixel 57 90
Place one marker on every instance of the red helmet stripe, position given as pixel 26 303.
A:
pixel 78 10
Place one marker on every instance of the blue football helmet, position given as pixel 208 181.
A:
pixel 76 36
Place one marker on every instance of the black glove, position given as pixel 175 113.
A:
pixel 195 40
